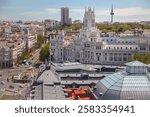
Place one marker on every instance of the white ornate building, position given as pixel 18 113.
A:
pixel 93 48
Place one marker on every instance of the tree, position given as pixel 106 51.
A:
pixel 69 27
pixel 24 56
pixel 40 40
pixel 45 52
pixel 120 28
pixel 145 58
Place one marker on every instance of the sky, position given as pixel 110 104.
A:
pixel 29 10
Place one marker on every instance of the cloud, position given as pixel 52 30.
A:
pixel 121 14
pixel 77 10
pixel 132 11
pixel 53 10
pixel 32 13
pixel 101 14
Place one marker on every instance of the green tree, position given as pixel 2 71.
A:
pixel 45 52
pixel 40 40
pixel 69 27
pixel 120 28
pixel 145 58
pixel 24 56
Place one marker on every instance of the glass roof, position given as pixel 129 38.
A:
pixel 122 85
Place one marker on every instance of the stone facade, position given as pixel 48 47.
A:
pixel 91 47
pixel 6 59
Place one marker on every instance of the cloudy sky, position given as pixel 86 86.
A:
pixel 125 10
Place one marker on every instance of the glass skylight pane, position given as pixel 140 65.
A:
pixel 105 83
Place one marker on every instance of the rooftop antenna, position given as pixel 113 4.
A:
pixel 112 13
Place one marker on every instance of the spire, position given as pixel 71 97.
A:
pixel 112 9
pixel 89 8
pixel 93 9
pixel 112 13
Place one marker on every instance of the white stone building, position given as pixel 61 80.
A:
pixel 93 48
pixel 51 24
pixel 6 59
pixel 9 52
pixel 56 42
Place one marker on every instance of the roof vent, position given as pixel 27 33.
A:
pixel 136 67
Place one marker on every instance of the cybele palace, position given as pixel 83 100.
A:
pixel 91 46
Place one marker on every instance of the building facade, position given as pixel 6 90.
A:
pixel 90 46
pixel 57 50
pixel 6 58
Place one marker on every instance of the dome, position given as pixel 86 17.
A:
pixel 125 85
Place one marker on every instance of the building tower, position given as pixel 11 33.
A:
pixel 112 14
pixel 89 19
pixel 64 16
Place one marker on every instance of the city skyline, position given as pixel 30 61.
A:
pixel 125 11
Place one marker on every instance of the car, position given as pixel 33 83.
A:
pixel 11 87
pixel 20 86
pixel 29 62
pixel 2 82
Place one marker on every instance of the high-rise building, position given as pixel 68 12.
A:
pixel 64 16
pixel 112 14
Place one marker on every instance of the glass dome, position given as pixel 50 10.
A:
pixel 126 85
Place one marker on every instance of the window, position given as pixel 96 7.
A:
pixel 110 58
pixel 98 47
pixel 129 55
pixel 142 48
pixel 97 58
pixel 87 45
pixel 124 58
pixel 120 57
pixel 110 54
pixel 92 56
